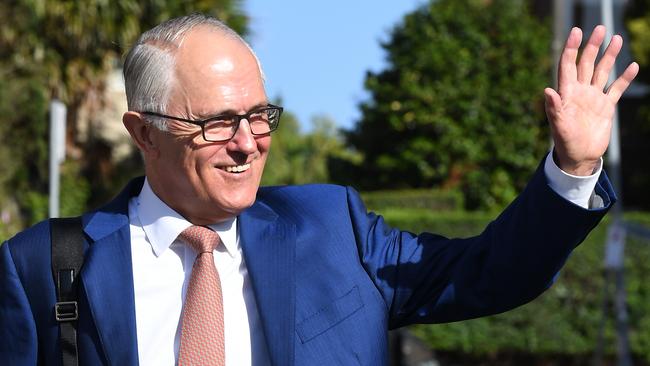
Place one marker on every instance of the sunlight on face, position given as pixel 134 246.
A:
pixel 207 182
pixel 223 66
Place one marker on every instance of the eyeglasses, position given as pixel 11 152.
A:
pixel 223 127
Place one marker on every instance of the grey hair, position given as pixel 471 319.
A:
pixel 149 65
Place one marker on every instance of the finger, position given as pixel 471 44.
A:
pixel 604 67
pixel 567 72
pixel 589 53
pixel 619 86
pixel 553 103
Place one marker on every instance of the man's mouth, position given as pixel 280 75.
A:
pixel 237 168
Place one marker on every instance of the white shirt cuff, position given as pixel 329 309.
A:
pixel 577 189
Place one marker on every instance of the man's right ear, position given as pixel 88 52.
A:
pixel 141 132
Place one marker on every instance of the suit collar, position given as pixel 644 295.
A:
pixel 268 243
pixel 114 215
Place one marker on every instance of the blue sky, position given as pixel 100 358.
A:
pixel 315 53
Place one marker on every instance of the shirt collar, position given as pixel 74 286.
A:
pixel 162 224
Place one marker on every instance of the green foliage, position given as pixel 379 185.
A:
pixel 565 319
pixel 638 27
pixel 429 199
pixel 74 196
pixel 297 158
pixel 460 103
pixel 75 190
pixel 635 111
pixel 24 149
pixel 34 205
pixel 76 42
pixel 64 49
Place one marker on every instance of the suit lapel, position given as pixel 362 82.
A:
pixel 107 278
pixel 268 244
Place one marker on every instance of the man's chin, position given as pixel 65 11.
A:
pixel 233 208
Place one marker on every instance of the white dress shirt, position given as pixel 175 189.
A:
pixel 577 189
pixel 162 266
pixel 161 271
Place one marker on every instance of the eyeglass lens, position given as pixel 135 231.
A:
pixel 261 122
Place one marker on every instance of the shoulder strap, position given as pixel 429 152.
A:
pixel 67 257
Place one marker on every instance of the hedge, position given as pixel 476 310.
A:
pixel 430 199
pixel 565 320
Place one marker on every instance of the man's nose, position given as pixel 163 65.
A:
pixel 243 140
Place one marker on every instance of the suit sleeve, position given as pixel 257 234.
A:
pixel 428 278
pixel 17 326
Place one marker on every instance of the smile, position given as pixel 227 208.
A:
pixel 237 168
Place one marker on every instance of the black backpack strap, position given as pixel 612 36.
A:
pixel 67 257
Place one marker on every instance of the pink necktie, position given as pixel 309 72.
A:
pixel 202 334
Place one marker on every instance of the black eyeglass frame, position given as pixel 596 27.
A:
pixel 236 117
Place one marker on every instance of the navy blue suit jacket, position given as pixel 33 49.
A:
pixel 328 277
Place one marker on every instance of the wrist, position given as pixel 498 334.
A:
pixel 577 168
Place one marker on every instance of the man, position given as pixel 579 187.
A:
pixel 307 276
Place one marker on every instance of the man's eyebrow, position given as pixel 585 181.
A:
pixel 229 111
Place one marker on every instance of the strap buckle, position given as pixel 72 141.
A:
pixel 66 311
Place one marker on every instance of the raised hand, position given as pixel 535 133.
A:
pixel 581 111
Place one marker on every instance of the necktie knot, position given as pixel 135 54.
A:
pixel 200 238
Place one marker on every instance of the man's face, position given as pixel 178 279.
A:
pixel 204 181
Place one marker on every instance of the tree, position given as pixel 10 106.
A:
pixel 76 42
pixel 638 26
pixel 297 158
pixel 635 124
pixel 64 49
pixel 459 104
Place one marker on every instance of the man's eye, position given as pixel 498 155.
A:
pixel 259 116
pixel 220 122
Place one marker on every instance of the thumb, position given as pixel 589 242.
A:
pixel 552 103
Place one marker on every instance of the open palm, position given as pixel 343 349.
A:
pixel 581 111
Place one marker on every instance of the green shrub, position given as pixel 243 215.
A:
pixel 74 194
pixel 75 190
pixel 430 199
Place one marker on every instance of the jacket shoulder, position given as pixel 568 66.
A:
pixel 30 253
pixel 321 195
pixel 304 189
pixel 31 239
